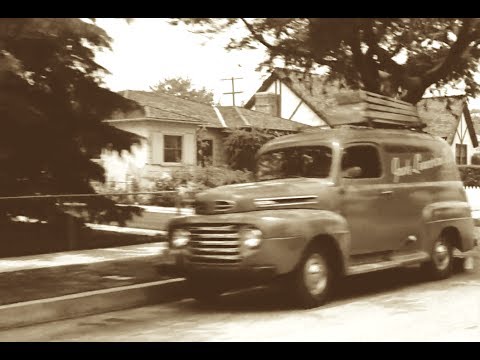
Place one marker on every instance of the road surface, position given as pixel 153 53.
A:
pixel 394 305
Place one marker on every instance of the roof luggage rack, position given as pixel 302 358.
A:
pixel 367 109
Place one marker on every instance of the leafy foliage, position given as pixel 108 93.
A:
pixel 399 57
pixel 183 88
pixel 242 145
pixel 470 174
pixel 52 104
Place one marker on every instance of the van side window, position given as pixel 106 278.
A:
pixel 361 162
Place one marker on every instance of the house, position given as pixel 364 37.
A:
pixel 306 99
pixel 449 117
pixel 291 95
pixel 173 129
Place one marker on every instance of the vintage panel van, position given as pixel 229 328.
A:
pixel 328 203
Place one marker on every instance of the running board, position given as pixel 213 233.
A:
pixel 395 261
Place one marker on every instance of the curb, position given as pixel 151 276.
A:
pixel 90 303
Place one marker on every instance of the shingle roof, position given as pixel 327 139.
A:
pixel 266 121
pixel 168 107
pixel 163 106
pixel 442 114
pixel 475 114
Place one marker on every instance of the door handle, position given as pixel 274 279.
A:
pixel 386 192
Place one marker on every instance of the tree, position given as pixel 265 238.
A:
pixel 183 88
pixel 242 144
pixel 395 57
pixel 52 103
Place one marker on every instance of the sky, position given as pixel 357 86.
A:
pixel 147 51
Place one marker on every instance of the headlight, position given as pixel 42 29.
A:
pixel 180 237
pixel 251 237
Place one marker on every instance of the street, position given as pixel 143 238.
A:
pixel 393 305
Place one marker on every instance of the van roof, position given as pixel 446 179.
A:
pixel 349 134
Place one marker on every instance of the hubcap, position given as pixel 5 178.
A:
pixel 441 255
pixel 315 274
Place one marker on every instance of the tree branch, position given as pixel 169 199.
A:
pixel 462 43
pixel 275 49
pixel 384 58
pixel 257 36
pixel 364 64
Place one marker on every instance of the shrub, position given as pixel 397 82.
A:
pixel 189 181
pixel 242 145
pixel 476 159
pixel 186 180
pixel 470 174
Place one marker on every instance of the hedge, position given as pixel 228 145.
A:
pixel 470 174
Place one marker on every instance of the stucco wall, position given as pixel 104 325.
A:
pixel 462 131
pixel 146 160
pixel 219 155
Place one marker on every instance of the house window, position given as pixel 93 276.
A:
pixel 461 154
pixel 205 152
pixel 172 149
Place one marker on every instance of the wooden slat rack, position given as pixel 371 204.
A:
pixel 369 109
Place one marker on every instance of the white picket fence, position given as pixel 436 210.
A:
pixel 473 196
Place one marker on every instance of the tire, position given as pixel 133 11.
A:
pixel 312 279
pixel 441 264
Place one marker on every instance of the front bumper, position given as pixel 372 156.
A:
pixel 177 266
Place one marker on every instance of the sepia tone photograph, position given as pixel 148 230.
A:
pixel 176 180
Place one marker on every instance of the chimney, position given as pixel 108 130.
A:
pixel 267 103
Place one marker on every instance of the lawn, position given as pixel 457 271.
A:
pixel 44 283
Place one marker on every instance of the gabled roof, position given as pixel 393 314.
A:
pixel 167 107
pixel 443 114
pixel 311 88
pixel 318 95
pixel 171 108
pixel 240 117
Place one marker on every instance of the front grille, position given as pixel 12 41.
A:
pixel 214 244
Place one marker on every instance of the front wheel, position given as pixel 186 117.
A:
pixel 313 278
pixel 440 265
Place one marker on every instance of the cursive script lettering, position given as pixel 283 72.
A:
pixel 416 166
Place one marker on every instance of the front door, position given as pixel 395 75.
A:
pixel 368 202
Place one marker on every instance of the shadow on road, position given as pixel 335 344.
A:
pixel 262 299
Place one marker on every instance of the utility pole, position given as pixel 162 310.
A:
pixel 232 79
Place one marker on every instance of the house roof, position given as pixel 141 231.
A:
pixel 167 107
pixel 241 117
pixel 443 114
pixel 476 120
pixel 172 108
pixel 312 89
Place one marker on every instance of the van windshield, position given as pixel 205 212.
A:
pixel 305 161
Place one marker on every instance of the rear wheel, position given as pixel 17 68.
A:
pixel 441 264
pixel 312 280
